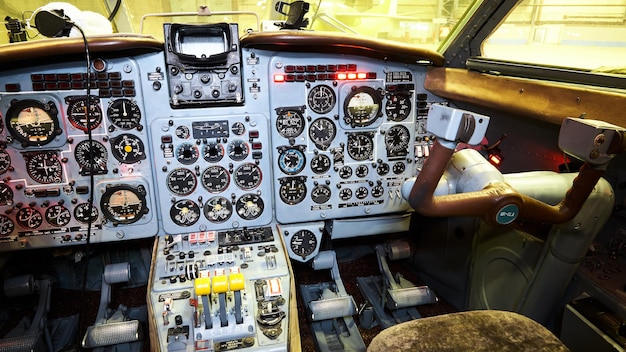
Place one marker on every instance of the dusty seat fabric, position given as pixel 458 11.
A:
pixel 482 330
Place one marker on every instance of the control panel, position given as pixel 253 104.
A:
pixel 54 139
pixel 221 290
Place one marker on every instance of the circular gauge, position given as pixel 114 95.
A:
pixel 248 176
pixel 44 167
pixel 345 193
pixel 382 169
pixel 291 161
pixel 397 141
pixel 320 163
pixel 182 132
pixel 5 161
pixel 360 146
pixel 398 168
pixel 181 181
pixel 58 215
pixel 292 190
pixel 362 107
pixel 83 117
pixel 320 194
pixel 303 243
pixel 238 150
pixel 322 132
pixel 127 148
pixel 215 179
pixel 361 192
pixel 124 114
pixel 321 99
pixel 361 171
pixel 6 225
pixel 6 194
pixel 213 152
pixel 218 209
pixel 378 191
pixel 81 213
pixel 29 218
pixel 345 172
pixel 91 158
pixel 238 128
pixel 124 204
pixel 33 123
pixel 185 212
pixel 249 206
pixel 290 123
pixel 398 106
pixel 187 153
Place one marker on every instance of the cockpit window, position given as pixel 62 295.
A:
pixel 424 23
pixel 583 34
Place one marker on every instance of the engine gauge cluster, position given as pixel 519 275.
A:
pixel 217 176
pixel 342 145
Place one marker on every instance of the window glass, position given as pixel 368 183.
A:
pixel 424 23
pixel 585 34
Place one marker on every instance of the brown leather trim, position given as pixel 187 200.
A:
pixel 337 43
pixel 535 99
pixel 45 50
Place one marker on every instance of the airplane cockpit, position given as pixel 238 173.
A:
pixel 330 175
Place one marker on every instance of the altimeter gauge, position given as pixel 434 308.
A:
pixel 124 204
pixel 82 116
pixel 33 123
pixel 124 114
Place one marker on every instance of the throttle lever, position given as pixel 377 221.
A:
pixel 498 203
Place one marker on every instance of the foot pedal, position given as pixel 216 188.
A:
pixel 112 334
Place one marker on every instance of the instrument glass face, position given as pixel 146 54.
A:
pixel 124 114
pixel 82 116
pixel 33 123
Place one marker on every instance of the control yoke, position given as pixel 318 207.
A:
pixel 593 142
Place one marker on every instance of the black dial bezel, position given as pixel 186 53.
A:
pixel 114 216
pixel 24 136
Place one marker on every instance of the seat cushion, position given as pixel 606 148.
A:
pixel 480 330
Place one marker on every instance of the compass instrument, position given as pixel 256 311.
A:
pixel 29 218
pixel 82 116
pixel 123 204
pixel 181 181
pixel 185 212
pixel 124 114
pixel 215 179
pixel 6 226
pixel 187 153
pixel 303 243
pixel 291 160
pixel 249 206
pixel 57 215
pixel 362 107
pixel 44 167
pixel 321 99
pixel 360 146
pixel 218 209
pixel 289 123
pixel 398 106
pixel 397 139
pixel 33 123
pixel 322 131
pixel 248 176
pixel 127 148
pixel 81 213
pixel 292 190
pixel 92 157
